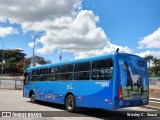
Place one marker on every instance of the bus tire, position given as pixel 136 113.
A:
pixel 33 100
pixel 70 103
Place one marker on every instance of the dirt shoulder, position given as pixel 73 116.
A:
pixel 154 93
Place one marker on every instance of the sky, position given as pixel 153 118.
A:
pixel 80 28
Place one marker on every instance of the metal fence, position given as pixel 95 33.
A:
pixel 154 83
pixel 7 82
pixel 15 83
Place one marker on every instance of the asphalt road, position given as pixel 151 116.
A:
pixel 12 100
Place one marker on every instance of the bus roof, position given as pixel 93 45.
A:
pixel 77 61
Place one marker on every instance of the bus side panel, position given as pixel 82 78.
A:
pixel 51 91
pixel 27 88
pixel 56 91
pixel 64 88
pixel 94 94
pixel 40 89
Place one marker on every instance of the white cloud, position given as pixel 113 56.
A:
pixel 31 44
pixel 155 54
pixel 73 34
pixel 66 26
pixel 110 48
pixel 7 30
pixel 148 52
pixel 151 41
pixel 79 35
pixel 20 11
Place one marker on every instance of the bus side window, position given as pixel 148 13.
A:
pixel 102 69
pixel 43 74
pixel 82 71
pixel 66 72
pixel 35 75
pixel 53 73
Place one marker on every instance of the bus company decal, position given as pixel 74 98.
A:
pixel 51 96
pixel 103 84
pixel 70 87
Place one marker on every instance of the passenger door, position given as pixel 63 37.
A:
pixel 26 84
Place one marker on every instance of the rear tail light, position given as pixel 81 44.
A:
pixel 120 95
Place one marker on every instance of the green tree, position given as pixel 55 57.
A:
pixel 23 64
pixel 28 61
pixel 39 60
pixel 155 61
pixel 10 67
pixel 149 59
pixel 15 53
pixel 159 63
pixel 155 69
pixel 15 60
pixel 11 58
pixel 157 66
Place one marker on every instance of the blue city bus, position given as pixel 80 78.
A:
pixel 110 82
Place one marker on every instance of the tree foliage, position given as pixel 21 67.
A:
pixel 154 70
pixel 15 60
pixel 11 58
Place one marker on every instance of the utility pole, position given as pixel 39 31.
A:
pixel 33 61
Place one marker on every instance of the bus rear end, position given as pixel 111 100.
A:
pixel 134 83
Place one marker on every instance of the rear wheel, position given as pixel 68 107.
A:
pixel 33 100
pixel 70 104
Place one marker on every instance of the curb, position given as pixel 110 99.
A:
pixel 151 107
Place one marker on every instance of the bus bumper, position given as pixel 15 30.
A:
pixel 132 103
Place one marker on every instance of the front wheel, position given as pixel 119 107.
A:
pixel 70 104
pixel 33 100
